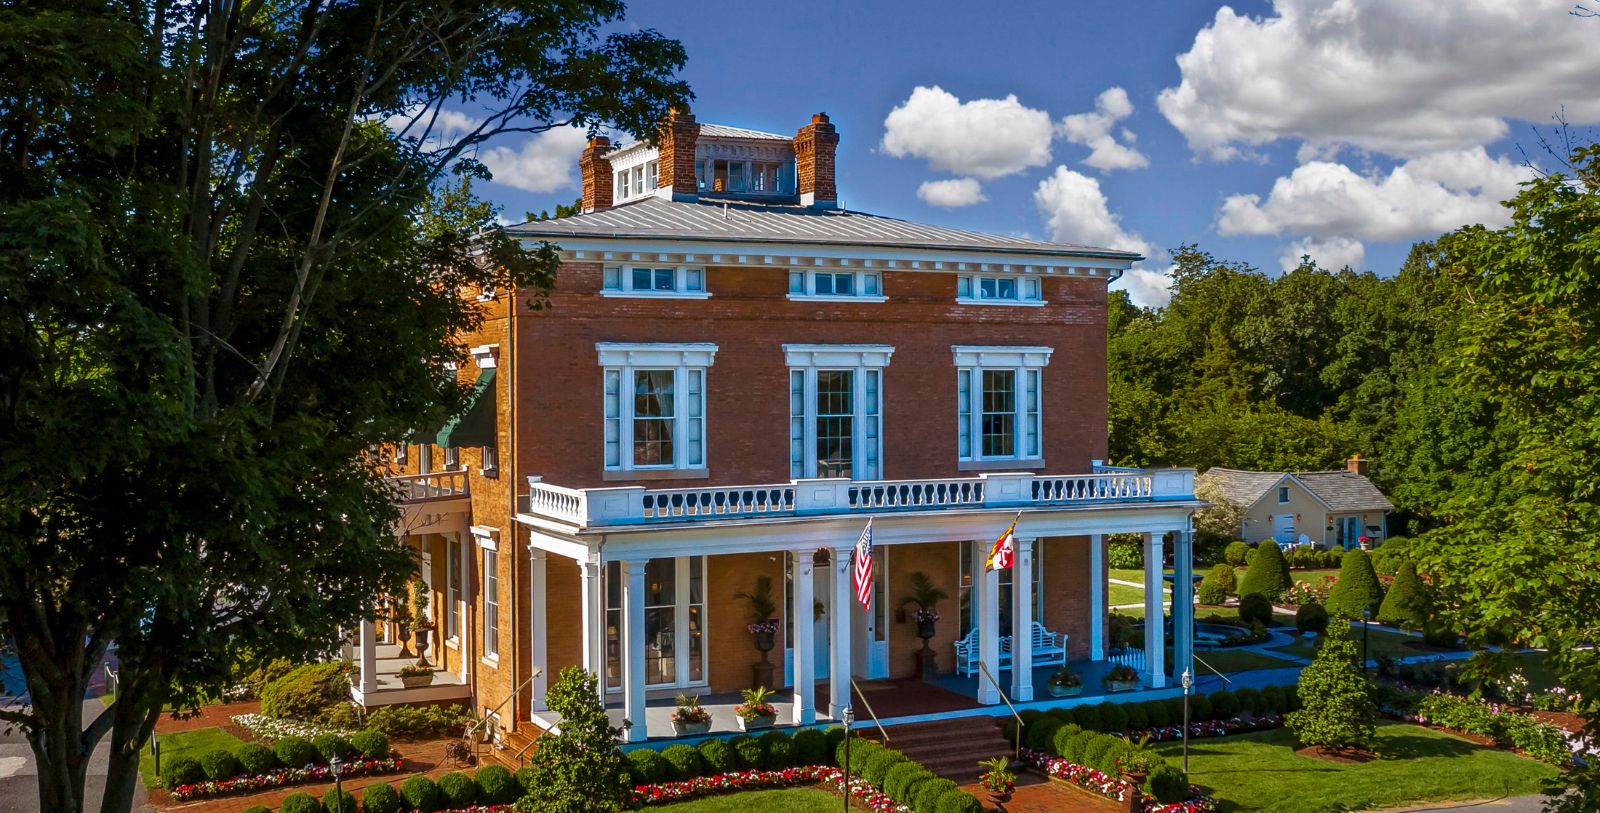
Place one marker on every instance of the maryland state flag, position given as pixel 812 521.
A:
pixel 1005 548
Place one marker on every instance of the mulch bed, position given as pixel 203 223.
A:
pixel 1566 719
pixel 1345 756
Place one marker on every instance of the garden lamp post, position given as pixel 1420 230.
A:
pixel 1188 683
pixel 1366 615
pixel 849 717
pixel 334 765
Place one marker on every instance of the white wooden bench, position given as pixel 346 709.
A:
pixel 1048 648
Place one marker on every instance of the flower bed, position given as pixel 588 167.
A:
pixel 284 776
pixel 1546 742
pixel 271 728
pixel 737 781
pixel 1213 728
pixel 1111 787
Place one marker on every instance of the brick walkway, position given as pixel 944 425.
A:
pixel 1037 794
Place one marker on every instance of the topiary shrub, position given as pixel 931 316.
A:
pixel 307 692
pixel 1199 708
pixel 1167 784
pixel 1272 698
pixel 219 764
pixel 1249 700
pixel 835 735
pixel 1235 553
pixel 645 767
pixel 959 801
pixel 456 789
pixel 339 801
pixel 380 798
pixel 747 752
pixel 1086 717
pixel 718 756
pixel 1311 617
pixel 1112 717
pixel 1064 735
pixel 927 796
pixel 685 762
pixel 331 745
pixel 1137 719
pixel 902 780
pixel 876 768
pixel 1042 734
pixel 1075 749
pixel 1255 608
pixel 420 793
pixel 1357 587
pixel 1406 604
pixel 255 758
pixel 810 747
pixel 777 749
pixel 370 743
pixel 860 751
pixel 295 752
pixel 1155 712
pixel 1268 575
pixel 1224 704
pixel 497 787
pixel 181 771
pixel 301 802
pixel 1339 711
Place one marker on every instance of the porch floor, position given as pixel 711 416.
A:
pixel 445 685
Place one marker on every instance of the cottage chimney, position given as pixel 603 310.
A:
pixel 1357 465
pixel 597 177
pixel 675 176
pixel 814 148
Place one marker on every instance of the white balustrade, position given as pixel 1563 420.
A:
pixel 439 485
pixel 690 503
pixel 915 493
pixel 557 501
pixel 1091 487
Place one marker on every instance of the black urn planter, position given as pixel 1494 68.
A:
pixel 925 629
pixel 404 635
pixel 765 641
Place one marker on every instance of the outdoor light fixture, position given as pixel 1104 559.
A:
pixel 1188 683
pixel 334 765
pixel 849 717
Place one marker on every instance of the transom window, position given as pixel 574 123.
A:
pixel 999 401
pixel 864 285
pixel 1010 289
pixel 644 280
pixel 655 405
pixel 836 410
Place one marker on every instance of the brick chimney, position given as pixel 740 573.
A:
pixel 1356 465
pixel 597 176
pixel 676 161
pixel 814 147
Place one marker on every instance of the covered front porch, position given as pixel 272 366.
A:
pixel 380 685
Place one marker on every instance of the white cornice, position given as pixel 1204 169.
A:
pixel 837 355
pixel 839 255
pixel 1001 356
pixel 662 354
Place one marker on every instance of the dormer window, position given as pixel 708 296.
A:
pixel 984 289
pixel 670 282
pixel 758 177
pixel 844 286
pixel 636 181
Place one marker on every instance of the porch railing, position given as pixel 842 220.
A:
pixel 439 485
pixel 629 505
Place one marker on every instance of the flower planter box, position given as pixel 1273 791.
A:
pixel 759 722
pixel 689 729
pixel 416 682
pixel 1063 691
pixel 1121 685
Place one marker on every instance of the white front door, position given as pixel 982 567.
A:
pixel 1283 527
pixel 871 630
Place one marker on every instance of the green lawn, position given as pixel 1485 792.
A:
pixel 1261 772
pixel 787 800
pixel 1123 594
pixel 1380 644
pixel 184 744
pixel 1238 660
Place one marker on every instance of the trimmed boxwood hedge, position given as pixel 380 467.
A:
pixel 1224 705
pixel 497 787
pixel 1155 712
pixel 777 750
pixel 255 758
pixel 219 764
pixel 877 766
pixel 456 789
pixel 684 761
pixel 380 798
pixel 1087 717
pixel 1112 717
pixel 748 751
pixel 370 743
pixel 295 752
pixel 810 747
pixel 926 799
pixel 420 793
pixel 181 771
pixel 338 801
pixel 1041 734
pixel 1167 784
pixel 646 767
pixel 301 802
pixel 719 756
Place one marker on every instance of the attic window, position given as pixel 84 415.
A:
pixel 759 177
pixel 1283 494
pixel 1011 289
pixel 677 282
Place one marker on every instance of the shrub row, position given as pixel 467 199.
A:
pixel 420 721
pixel 253 758
pixel 490 785
pixel 913 785
pixel 1039 727
pixel 1105 752
pixel 1542 741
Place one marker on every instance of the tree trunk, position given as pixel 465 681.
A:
pixel 129 731
pixel 55 738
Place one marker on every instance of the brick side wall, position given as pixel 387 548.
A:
pixel 941 561
pixel 1065 584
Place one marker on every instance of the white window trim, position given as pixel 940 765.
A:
pixel 681 679
pixel 1020 301
pixel 681 358
pixel 489 639
pixel 860 358
pixel 974 359
pixel 680 280
pixel 810 294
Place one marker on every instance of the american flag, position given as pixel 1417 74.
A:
pixel 863 570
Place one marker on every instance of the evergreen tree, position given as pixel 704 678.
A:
pixel 1268 574
pixel 1357 586
pixel 580 770
pixel 1336 706
pixel 1405 605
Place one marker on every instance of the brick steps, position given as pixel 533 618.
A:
pixel 949 748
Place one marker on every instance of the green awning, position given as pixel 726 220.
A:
pixel 475 425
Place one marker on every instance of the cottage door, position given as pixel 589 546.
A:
pixel 871 628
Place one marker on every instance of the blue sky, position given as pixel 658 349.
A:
pixel 1260 130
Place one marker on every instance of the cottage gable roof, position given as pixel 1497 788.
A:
pixel 1340 490
pixel 1240 486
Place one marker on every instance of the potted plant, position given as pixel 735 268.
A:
pixel 1121 678
pixel 420 599
pixel 764 626
pixel 926 595
pixel 997 780
pixel 412 676
pixel 1065 683
pixel 1138 761
pixel 755 712
pixel 689 718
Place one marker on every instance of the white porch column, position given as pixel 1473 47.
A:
pixel 538 612
pixel 1022 621
pixel 986 583
pixel 594 619
pixel 1097 597
pixel 369 656
pixel 1183 604
pixel 839 642
pixel 632 639
pixel 803 645
pixel 1154 624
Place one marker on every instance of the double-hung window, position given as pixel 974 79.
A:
pixel 491 603
pixel 452 570
pixel 674 282
pixel 836 410
pixel 655 405
pixel 1009 289
pixel 863 286
pixel 999 402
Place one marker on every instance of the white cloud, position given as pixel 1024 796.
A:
pixel 952 193
pixel 1402 78
pixel 1419 198
pixel 1076 210
pixel 1147 288
pixel 544 163
pixel 983 138
pixel 1332 253
pixel 417 121
pixel 1093 130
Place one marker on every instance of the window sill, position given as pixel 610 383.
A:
pixel 620 475
pixel 1010 464
pixel 493 474
pixel 491 661
pixel 835 298
pixel 453 642
pixel 656 294
pixel 1013 303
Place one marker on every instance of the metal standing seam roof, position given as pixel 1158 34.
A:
pixel 741 220
pixel 1340 489
pixel 708 130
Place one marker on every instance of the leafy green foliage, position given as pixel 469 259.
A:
pixel 332 745
pixel 419 721
pixel 777 750
pixel 959 801
pixel 1311 617
pixel 307 692
pixel 1255 608
pixel 497 787
pixel 581 769
pixel 647 767
pixel 1337 708
pixel 1125 552
pixel 181 771
pixel 1235 553
pixel 295 752
pixel 1406 604
pixel 1357 589
pixel 718 756
pixel 339 801
pixel 1268 575
pixel 255 758
pixel 685 762
pixel 420 793
pixel 300 802
pixel 1167 784
pixel 810 747
pixel 380 798
pixel 456 790
pixel 219 763
pixel 370 743
pixel 926 799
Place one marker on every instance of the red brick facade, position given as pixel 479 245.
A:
pixel 676 162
